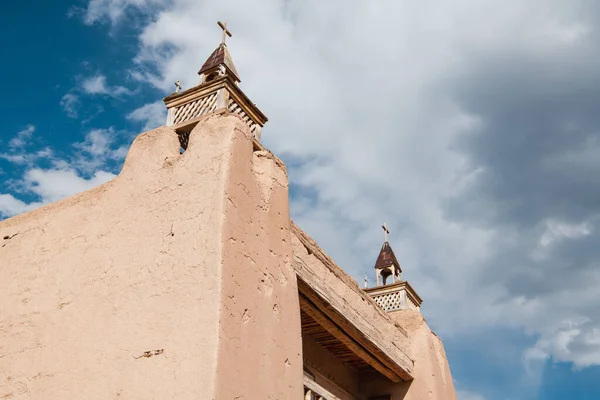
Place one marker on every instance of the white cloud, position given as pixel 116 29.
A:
pixel 97 142
pixel 113 10
pixel 98 148
pixel 574 340
pixel 27 157
pixel 70 103
pixel 21 138
pixel 556 230
pixel 152 115
pixel 464 395
pixel 50 185
pixel 84 169
pixel 97 85
pixel 14 158
pixel 9 205
pixel 17 148
pixel 55 184
pixel 91 86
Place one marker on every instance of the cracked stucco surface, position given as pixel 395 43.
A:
pixel 433 379
pixel 163 283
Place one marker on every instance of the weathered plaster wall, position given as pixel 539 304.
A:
pixel 260 350
pixel 171 281
pixel 433 379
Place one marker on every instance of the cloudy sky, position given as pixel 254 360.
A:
pixel 471 127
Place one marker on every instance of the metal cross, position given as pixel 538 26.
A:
pixel 386 232
pixel 225 31
pixel 177 86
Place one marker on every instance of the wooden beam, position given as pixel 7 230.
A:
pixel 342 329
pixel 339 334
pixel 314 388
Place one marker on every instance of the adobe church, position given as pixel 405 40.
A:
pixel 184 278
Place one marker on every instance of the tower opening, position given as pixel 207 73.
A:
pixel 184 139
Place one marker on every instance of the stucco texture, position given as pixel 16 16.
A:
pixel 172 281
pixel 433 379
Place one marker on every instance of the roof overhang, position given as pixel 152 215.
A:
pixel 349 315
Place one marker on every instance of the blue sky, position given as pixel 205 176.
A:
pixel 471 129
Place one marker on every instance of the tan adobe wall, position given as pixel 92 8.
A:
pixel 433 379
pixel 173 280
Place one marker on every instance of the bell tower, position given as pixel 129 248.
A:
pixel 387 265
pixel 392 293
pixel 217 92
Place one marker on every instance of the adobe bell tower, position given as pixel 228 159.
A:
pixel 387 265
pixel 217 92
pixel 397 294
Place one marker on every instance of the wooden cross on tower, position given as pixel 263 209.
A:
pixel 225 31
pixel 386 232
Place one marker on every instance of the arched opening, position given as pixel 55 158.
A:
pixel 212 76
pixel 184 138
pixel 385 274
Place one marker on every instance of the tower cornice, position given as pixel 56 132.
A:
pixel 228 97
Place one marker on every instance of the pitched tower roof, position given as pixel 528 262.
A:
pixel 397 295
pixel 220 56
pixel 387 257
